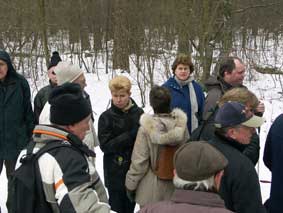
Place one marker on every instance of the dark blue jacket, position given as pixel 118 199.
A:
pixel 239 187
pixel 273 159
pixel 16 115
pixel 181 98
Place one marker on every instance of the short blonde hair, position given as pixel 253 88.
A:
pixel 120 83
pixel 240 94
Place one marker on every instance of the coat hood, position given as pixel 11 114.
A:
pixel 5 57
pixel 166 129
pixel 211 82
pixel 217 82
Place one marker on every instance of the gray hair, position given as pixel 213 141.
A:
pixel 202 185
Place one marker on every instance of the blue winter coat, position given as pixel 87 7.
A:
pixel 181 98
pixel 273 158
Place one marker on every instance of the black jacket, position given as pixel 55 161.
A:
pixel 16 115
pixel 240 187
pixel 40 100
pixel 206 131
pixel 117 132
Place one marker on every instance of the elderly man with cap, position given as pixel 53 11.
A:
pixel 42 95
pixel 198 171
pixel 239 188
pixel 68 176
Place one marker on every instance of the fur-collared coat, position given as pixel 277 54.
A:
pixel 155 130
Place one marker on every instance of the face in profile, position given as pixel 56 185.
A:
pixel 81 81
pixel 52 75
pixel 243 134
pixel 236 77
pixel 120 98
pixel 79 129
pixel 182 72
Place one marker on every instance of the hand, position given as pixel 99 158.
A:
pixel 260 107
pixel 131 194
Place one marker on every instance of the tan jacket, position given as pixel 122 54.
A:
pixel 155 130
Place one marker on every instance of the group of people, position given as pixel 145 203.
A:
pixel 195 153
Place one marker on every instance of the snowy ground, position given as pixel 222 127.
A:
pixel 265 87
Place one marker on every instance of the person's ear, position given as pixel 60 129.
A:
pixel 217 179
pixel 70 128
pixel 231 133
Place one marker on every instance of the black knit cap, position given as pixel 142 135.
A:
pixel 55 59
pixel 68 106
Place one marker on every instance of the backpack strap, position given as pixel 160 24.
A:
pixel 54 144
pixel 50 145
pixel 196 134
pixel 29 153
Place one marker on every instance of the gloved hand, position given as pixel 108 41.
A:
pixel 131 194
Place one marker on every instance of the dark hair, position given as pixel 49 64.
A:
pixel 160 99
pixel 228 65
pixel 183 59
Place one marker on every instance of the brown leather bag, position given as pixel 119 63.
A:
pixel 164 162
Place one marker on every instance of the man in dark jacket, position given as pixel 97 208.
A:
pixel 240 185
pixel 117 130
pixel 16 117
pixel 42 95
pixel 231 74
pixel 198 172
pixel 273 158
pixel 241 95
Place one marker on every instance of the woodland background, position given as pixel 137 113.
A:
pixel 138 34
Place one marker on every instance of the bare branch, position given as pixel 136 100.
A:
pixel 253 7
pixel 268 70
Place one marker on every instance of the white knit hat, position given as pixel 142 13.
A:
pixel 67 72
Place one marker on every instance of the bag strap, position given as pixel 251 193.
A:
pixel 50 145
pixel 198 131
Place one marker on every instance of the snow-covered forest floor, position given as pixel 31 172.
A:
pixel 266 87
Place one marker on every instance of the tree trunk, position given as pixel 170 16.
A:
pixel 43 30
pixel 120 48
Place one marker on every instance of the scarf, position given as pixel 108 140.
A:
pixel 193 100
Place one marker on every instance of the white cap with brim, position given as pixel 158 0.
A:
pixel 254 121
pixel 67 72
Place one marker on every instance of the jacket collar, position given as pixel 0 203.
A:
pixel 231 142
pixel 197 198
pixel 44 133
pixel 224 85
pixel 120 111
